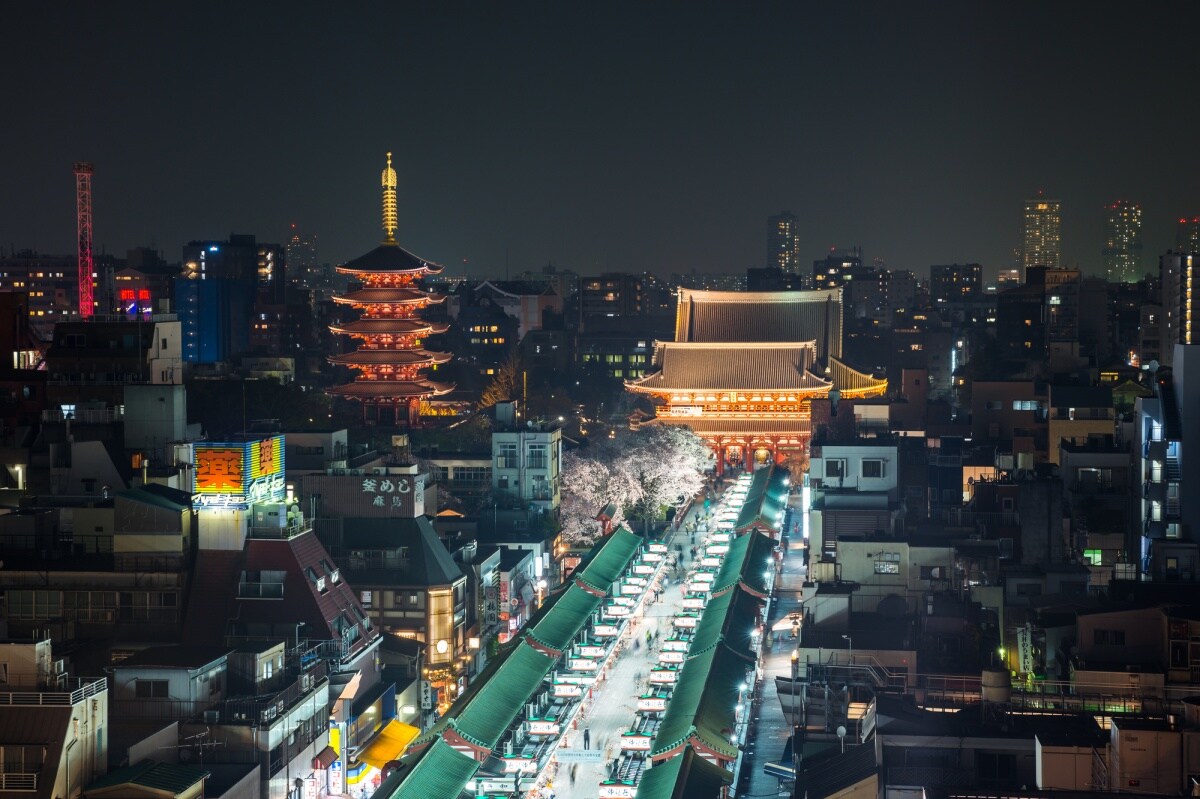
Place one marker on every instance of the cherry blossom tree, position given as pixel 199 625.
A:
pixel 641 472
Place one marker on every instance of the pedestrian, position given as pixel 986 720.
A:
pixel 587 741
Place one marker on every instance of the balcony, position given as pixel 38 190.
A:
pixel 18 781
pixel 67 691
pixel 264 711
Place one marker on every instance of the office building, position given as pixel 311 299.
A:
pixel 1180 316
pixel 1122 251
pixel 950 283
pixel 1043 232
pixel 1187 235
pixel 303 270
pixel 783 242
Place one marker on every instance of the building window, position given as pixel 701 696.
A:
pixel 872 467
pixel 150 689
pixel 835 468
pixel 886 567
pixel 1108 637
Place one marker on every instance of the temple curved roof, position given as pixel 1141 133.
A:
pixel 384 389
pixel 389 257
pixel 390 296
pixel 731 366
pixel 758 316
pixel 395 327
pixel 385 357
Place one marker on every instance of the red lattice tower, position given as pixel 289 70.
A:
pixel 83 213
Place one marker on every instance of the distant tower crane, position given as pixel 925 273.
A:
pixel 83 212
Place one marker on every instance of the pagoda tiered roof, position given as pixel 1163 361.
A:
pixel 388 389
pixel 390 357
pixel 383 327
pixel 389 257
pixel 389 296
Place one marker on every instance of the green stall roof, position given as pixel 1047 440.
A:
pixel 609 559
pixel 439 770
pixel 486 718
pixel 558 628
pixel 684 776
pixel 702 703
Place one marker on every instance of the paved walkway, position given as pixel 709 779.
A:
pixel 614 702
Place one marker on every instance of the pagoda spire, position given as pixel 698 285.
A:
pixel 390 215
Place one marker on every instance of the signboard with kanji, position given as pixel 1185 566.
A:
pixel 237 475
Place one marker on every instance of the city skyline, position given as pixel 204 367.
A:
pixel 595 139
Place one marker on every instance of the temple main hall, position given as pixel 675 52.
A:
pixel 744 368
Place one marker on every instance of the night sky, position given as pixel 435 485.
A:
pixel 621 136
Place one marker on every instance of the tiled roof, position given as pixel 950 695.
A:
pixel 429 562
pixel 847 378
pixel 389 258
pixel 439 770
pixel 772 366
pixel 487 717
pixel 684 776
pixel 728 619
pixel 169 777
pixel 753 316
pixel 765 500
pixel 302 602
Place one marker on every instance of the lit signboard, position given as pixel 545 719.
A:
pixel 663 676
pixel 624 600
pixel 652 557
pixel 685 622
pixel 566 690
pixel 717 548
pixel 704 577
pixel 605 631
pixel 591 651
pixel 699 588
pixel 710 560
pixel 617 790
pixel 581 664
pixel 651 704
pixel 693 603
pixel 675 645
pixel 631 590
pixel 615 611
pixel 670 657
pixel 635 742
pixel 544 727
pixel 238 475
pixel 643 568
pixel 659 548
pixel 514 764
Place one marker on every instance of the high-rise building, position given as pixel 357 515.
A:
pixel 302 265
pixel 783 243
pixel 1187 236
pixel 1043 232
pixel 1122 251
pixel 1179 274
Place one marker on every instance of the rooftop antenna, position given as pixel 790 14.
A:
pixel 83 228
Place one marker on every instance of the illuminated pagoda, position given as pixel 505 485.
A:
pixel 744 367
pixel 390 332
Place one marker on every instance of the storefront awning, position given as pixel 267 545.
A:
pixel 325 758
pixel 388 745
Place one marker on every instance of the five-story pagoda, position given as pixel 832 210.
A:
pixel 390 332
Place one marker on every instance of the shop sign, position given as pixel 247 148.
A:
pixel 652 557
pixel 693 603
pixel 581 664
pixel 543 727
pixel 426 695
pixel 699 588
pixel 670 657
pixel 310 788
pixel 335 775
pixel 635 742
pixel 591 651
pixel 663 676
pixel 659 548
pixel 651 704
pixel 675 645
pixel 643 568
pixel 514 764
pixel 605 631
pixel 685 622
pixel 566 690
pixel 580 755
pixel 713 561
pixel 617 790
pixel 631 590
pixel 616 611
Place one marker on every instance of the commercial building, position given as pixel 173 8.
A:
pixel 783 242
pixel 1122 253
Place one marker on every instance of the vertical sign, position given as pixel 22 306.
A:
pixel 335 777
pixel 1025 649
pixel 426 695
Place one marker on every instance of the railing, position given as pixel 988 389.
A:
pixel 267 710
pixel 284 533
pixel 18 781
pixel 82 415
pixel 82 689
pixel 260 590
